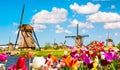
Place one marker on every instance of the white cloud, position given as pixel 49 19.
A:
pixel 15 24
pixel 116 34
pixel 112 6
pixel 85 9
pixel 57 15
pixel 60 29
pixel 114 25
pixel 68 32
pixel 38 27
pixel 81 24
pixel 84 31
pixel 104 17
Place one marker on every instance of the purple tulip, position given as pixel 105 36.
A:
pixel 109 57
pixel 87 60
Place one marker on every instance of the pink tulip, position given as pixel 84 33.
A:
pixel 3 57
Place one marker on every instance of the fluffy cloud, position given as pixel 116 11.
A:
pixel 38 27
pixel 85 9
pixel 114 25
pixel 81 24
pixel 60 29
pixel 104 17
pixel 57 15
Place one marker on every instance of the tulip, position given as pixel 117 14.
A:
pixel 71 62
pixel 3 57
pixel 49 62
pixel 21 62
pixel 38 62
pixel 29 54
pixel 19 65
pixel 54 59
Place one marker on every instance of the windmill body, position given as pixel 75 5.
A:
pixel 78 41
pixel 26 39
pixel 109 42
pixel 10 46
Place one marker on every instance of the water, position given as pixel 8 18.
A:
pixel 12 60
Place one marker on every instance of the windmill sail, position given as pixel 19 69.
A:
pixel 20 24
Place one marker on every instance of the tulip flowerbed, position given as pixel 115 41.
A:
pixel 91 57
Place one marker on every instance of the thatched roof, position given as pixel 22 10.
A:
pixel 78 37
pixel 26 27
pixel 109 40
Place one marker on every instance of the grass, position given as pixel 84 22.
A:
pixel 57 53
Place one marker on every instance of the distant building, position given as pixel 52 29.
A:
pixel 10 46
pixel 55 45
pixel 110 42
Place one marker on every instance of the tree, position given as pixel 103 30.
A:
pixel 47 46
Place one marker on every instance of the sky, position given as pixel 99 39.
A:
pixel 52 20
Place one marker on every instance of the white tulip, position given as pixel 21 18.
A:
pixel 38 62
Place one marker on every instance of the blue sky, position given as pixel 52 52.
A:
pixel 55 19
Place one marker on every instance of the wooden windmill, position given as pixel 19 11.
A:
pixel 10 45
pixel 28 39
pixel 109 42
pixel 63 44
pixel 78 39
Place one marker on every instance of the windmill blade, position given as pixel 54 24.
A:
pixel 20 24
pixel 17 37
pixel 36 39
pixel 70 36
pixel 22 15
pixel 4 45
pixel 64 42
pixel 85 36
pixel 77 28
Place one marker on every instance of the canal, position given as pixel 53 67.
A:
pixel 12 60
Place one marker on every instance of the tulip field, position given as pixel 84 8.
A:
pixel 91 57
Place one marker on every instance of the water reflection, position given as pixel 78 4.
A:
pixel 12 60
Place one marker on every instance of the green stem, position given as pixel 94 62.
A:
pixel 29 63
pixel 113 66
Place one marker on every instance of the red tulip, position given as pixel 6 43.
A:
pixel 21 62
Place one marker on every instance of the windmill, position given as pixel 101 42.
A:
pixel 28 38
pixel 109 41
pixel 78 38
pixel 63 44
pixel 10 45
